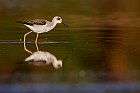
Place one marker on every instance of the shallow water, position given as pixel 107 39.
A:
pixel 100 50
pixel 96 58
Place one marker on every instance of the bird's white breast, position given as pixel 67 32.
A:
pixel 40 28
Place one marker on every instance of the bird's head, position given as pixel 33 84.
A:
pixel 58 19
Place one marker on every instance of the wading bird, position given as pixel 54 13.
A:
pixel 41 26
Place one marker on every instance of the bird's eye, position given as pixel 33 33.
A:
pixel 58 18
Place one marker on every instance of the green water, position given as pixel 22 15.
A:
pixel 101 43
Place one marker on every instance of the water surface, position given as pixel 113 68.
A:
pixel 100 50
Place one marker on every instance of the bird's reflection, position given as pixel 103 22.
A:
pixel 40 58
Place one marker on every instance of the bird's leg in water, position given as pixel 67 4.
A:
pixel 25 44
pixel 30 52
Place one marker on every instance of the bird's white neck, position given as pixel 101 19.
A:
pixel 51 25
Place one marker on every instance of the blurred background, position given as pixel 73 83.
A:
pixel 102 46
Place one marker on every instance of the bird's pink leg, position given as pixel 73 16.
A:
pixel 25 44
pixel 30 52
pixel 36 41
pixel 26 35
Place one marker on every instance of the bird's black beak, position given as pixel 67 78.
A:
pixel 65 25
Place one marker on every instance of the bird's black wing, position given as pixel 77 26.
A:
pixel 34 22
pixel 37 22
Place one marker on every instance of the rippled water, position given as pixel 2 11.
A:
pixel 96 57
pixel 100 50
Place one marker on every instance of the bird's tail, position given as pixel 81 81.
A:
pixel 25 23
pixel 20 22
